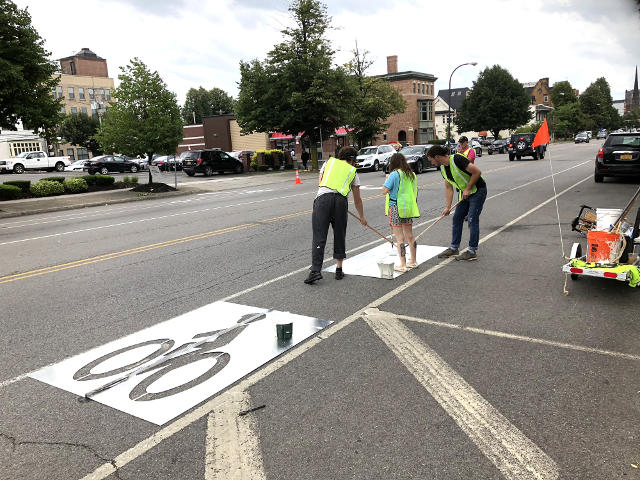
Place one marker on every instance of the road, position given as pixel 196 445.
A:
pixel 455 370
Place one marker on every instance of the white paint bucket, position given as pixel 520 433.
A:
pixel 386 268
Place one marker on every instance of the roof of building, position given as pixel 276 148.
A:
pixel 84 53
pixel 457 96
pixel 408 75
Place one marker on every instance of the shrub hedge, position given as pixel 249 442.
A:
pixel 9 192
pixel 47 188
pixel 75 185
pixel 90 179
pixel 22 184
pixel 104 180
pixel 54 179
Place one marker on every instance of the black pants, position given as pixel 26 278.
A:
pixel 328 209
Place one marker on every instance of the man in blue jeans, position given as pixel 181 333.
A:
pixel 458 172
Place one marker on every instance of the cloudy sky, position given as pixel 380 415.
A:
pixel 194 43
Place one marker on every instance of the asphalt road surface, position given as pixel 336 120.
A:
pixel 454 370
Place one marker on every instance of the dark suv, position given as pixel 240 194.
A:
pixel 520 145
pixel 619 156
pixel 209 161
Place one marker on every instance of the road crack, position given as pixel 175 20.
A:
pixel 15 444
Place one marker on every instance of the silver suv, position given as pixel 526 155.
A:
pixel 374 158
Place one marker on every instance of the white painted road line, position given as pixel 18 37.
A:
pixel 517 457
pixel 522 338
pixel 232 449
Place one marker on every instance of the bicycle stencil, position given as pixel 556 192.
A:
pixel 159 373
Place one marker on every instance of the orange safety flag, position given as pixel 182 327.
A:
pixel 542 137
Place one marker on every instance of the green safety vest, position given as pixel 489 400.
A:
pixel 407 197
pixel 466 152
pixel 460 177
pixel 338 176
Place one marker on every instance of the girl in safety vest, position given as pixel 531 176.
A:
pixel 401 190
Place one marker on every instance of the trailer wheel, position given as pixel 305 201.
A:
pixel 576 252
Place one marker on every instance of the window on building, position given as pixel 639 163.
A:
pixel 62 110
pixel 16 148
pixel 107 95
pixel 426 110
pixel 102 93
pixel 73 67
pixel 59 92
pixel 414 87
pixel 80 93
pixel 533 100
pixel 74 111
pixel 83 110
pixel 539 90
pixel 70 93
pixel 91 95
pixel 53 92
pixel 83 154
pixel 71 153
pixel 423 87
pixel 546 98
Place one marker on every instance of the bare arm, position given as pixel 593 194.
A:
pixel 475 175
pixel 357 201
pixel 448 193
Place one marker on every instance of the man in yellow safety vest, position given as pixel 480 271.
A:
pixel 337 178
pixel 466 150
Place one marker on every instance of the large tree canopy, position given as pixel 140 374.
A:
pixel 79 130
pixel 296 89
pixel 145 119
pixel 202 102
pixel 371 100
pixel 497 102
pixel 26 75
pixel 597 105
pixel 562 94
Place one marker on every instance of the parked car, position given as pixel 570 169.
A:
pixel 589 133
pixel 374 157
pixel 602 134
pixel 520 145
pixel 475 144
pixel 34 161
pixel 416 156
pixel 486 141
pixel 619 156
pixel 167 162
pixel 104 164
pixel 76 166
pixel 582 137
pixel 498 146
pixel 209 161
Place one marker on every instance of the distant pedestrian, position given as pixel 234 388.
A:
pixel 466 150
pixel 401 190
pixel 293 158
pixel 305 159
pixel 458 172
pixel 337 178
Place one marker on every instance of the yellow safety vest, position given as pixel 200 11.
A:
pixel 338 175
pixel 407 197
pixel 460 177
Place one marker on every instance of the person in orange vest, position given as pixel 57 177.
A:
pixel 466 150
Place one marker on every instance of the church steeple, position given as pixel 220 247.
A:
pixel 635 96
pixel 635 84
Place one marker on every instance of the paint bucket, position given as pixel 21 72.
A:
pixel 386 268
pixel 603 247
pixel 284 331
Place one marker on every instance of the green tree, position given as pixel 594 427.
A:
pixel 145 119
pixel 203 102
pixel 296 89
pixel 597 105
pixel 631 119
pixel 563 93
pixel 27 76
pixel 79 130
pixel 372 100
pixel 497 102
pixel 567 120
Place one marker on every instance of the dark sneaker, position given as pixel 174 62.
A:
pixel 468 256
pixel 448 253
pixel 339 274
pixel 313 276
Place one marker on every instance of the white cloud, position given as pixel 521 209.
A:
pixel 193 43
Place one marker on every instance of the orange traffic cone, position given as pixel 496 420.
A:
pixel 298 181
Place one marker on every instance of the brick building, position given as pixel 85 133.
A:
pixel 415 125
pixel 222 132
pixel 85 87
pixel 632 97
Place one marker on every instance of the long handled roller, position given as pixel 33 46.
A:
pixel 381 235
pixel 426 229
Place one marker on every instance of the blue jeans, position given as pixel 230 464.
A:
pixel 470 208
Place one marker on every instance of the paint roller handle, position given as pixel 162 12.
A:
pixel 438 219
pixel 369 226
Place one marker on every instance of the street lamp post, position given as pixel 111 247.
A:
pixel 449 101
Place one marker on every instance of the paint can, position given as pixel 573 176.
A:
pixel 284 331
pixel 386 268
pixel 603 248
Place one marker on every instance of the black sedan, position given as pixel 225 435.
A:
pixel 498 146
pixel 416 156
pixel 104 164
pixel 619 156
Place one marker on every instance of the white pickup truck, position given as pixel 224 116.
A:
pixel 34 161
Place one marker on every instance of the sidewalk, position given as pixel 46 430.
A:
pixel 31 206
